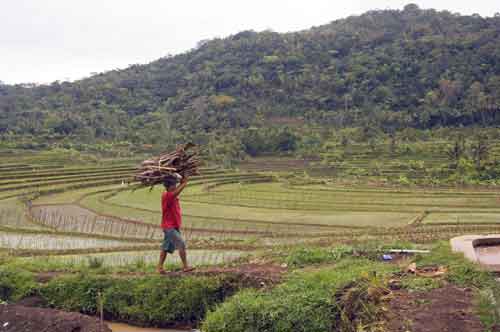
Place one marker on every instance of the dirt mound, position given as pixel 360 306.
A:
pixel 16 318
pixel 439 310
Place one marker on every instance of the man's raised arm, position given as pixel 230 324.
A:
pixel 180 187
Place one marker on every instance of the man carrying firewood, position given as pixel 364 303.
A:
pixel 171 223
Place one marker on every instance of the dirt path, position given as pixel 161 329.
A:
pixel 16 318
pixel 256 275
pixel 440 310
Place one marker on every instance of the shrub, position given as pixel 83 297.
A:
pixel 302 256
pixel 16 284
pixel 95 262
pixel 75 293
pixel 158 300
pixel 403 180
pixel 152 301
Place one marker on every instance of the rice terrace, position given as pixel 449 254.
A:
pixel 342 178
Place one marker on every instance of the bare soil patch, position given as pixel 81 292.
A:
pixel 16 318
pixel 444 309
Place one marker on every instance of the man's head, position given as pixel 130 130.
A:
pixel 170 183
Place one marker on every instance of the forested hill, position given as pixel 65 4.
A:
pixel 388 68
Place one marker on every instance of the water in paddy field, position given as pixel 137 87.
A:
pixel 196 257
pixel 53 242
pixel 489 255
pixel 120 327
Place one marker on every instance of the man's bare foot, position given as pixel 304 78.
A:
pixel 188 269
pixel 160 270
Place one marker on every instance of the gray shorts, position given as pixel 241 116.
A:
pixel 172 240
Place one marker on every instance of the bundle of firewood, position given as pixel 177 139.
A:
pixel 177 164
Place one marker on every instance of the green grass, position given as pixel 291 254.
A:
pixel 308 301
pixel 72 196
pixel 273 195
pixel 144 199
pixel 463 218
pixel 12 214
pixel 33 177
pixel 44 183
pixel 251 206
pixel 302 256
pixel 47 189
pixel 487 308
pixel 460 271
pixel 315 299
pixel 419 284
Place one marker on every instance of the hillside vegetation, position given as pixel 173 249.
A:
pixel 387 69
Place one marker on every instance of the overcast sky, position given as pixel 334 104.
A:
pixel 46 40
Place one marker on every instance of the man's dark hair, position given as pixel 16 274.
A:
pixel 168 182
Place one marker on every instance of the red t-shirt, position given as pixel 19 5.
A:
pixel 171 211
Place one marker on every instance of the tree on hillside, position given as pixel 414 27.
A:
pixel 393 144
pixel 477 101
pixel 456 152
pixel 480 151
pixel 494 93
pixel 286 141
